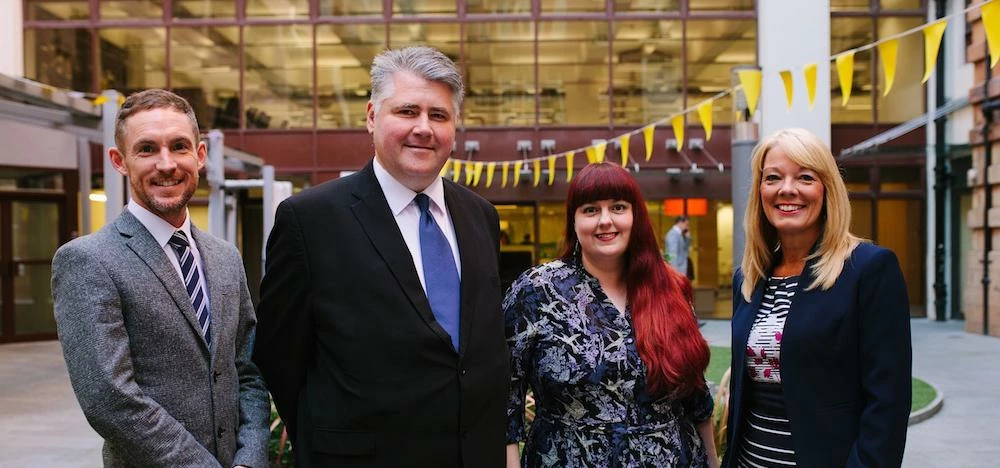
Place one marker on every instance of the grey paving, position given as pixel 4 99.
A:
pixel 41 424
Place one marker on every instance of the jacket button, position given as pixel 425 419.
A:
pixel 463 372
pixel 220 432
pixel 215 376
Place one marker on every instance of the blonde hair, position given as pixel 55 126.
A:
pixel 835 240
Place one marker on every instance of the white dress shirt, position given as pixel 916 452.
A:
pixel 407 215
pixel 162 231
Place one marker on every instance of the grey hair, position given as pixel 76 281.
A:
pixel 425 62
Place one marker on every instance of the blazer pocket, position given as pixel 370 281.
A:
pixel 339 442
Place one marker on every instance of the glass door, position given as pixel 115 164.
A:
pixel 29 237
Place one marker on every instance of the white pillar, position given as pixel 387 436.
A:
pixel 791 34
pixel 12 38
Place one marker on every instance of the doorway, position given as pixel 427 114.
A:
pixel 32 227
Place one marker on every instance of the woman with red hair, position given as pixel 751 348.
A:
pixel 606 340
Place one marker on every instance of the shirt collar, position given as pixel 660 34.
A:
pixel 399 196
pixel 160 229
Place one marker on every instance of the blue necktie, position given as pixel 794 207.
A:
pixel 192 281
pixel 440 274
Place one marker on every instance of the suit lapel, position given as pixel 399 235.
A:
pixel 470 251
pixel 372 212
pixel 140 241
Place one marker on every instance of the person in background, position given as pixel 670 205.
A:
pixel 678 245
pixel 380 330
pixel 605 338
pixel 154 315
pixel 821 357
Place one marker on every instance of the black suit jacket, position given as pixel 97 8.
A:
pixel 360 371
pixel 845 364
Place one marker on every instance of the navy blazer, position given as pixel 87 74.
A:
pixel 845 364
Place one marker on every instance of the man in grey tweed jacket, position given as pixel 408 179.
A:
pixel 157 332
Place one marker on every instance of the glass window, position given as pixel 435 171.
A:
pixel 897 221
pixel 551 230
pixel 901 178
pixel 648 71
pixel 906 97
pixel 204 8
pixel 282 9
pixel 278 80
pixel 848 33
pixel 54 10
pixel 857 179
pixel 499 6
pixel 850 5
pixel 350 7
pixel 131 9
pixel 901 4
pixel 720 4
pixel 517 246
pixel 499 73
pixel 714 47
pixel 132 59
pixel 861 218
pixel 59 57
pixel 622 6
pixel 442 36
pixel 565 6
pixel 344 56
pixel 205 69
pixel 424 7
pixel 572 73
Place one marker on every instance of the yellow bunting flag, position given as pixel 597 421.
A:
pixel 932 42
pixel 444 169
pixel 705 115
pixel 456 169
pixel 599 151
pixel 845 72
pixel 517 172
pixel 100 100
pixel 552 169
pixel 503 181
pixel 887 53
pixel 647 134
pixel 623 141
pixel 569 165
pixel 477 173
pixel 750 80
pixel 121 100
pixel 490 168
pixel 991 22
pixel 810 75
pixel 591 155
pixel 538 173
pixel 786 78
pixel 678 124
pixel 468 173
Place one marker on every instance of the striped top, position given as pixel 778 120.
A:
pixel 767 432
pixel 764 343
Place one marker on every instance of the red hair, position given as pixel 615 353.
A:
pixel 667 336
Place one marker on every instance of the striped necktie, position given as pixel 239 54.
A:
pixel 192 281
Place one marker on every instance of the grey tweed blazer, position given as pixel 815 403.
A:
pixel 141 370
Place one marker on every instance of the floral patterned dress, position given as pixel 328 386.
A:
pixel 576 352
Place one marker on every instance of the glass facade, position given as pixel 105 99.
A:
pixel 294 74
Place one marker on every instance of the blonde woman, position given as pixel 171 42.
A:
pixel 820 332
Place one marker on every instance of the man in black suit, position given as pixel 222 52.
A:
pixel 379 330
